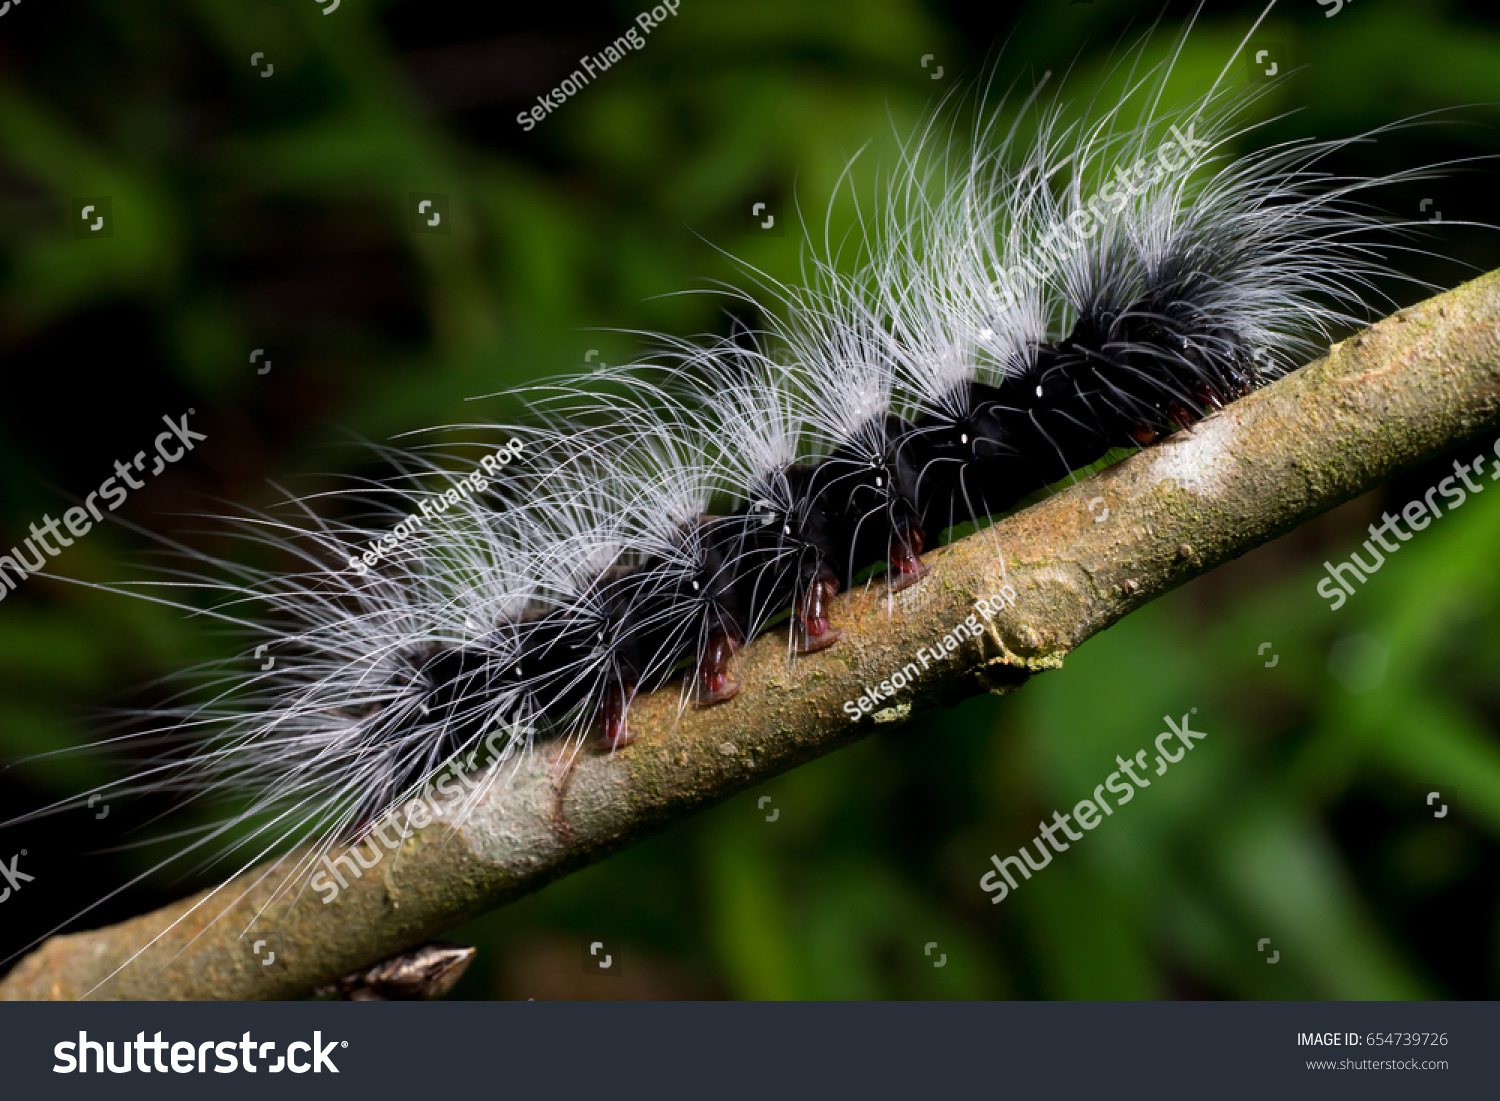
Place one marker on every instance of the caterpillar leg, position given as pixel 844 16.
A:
pixel 905 555
pixel 714 683
pixel 812 631
pixel 614 714
pixel 1206 397
pixel 1181 416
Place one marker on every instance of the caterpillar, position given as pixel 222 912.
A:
pixel 1021 304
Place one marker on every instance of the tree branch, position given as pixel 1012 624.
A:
pixel 1416 384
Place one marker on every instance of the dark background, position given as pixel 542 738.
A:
pixel 270 212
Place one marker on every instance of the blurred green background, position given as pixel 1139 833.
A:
pixel 271 211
